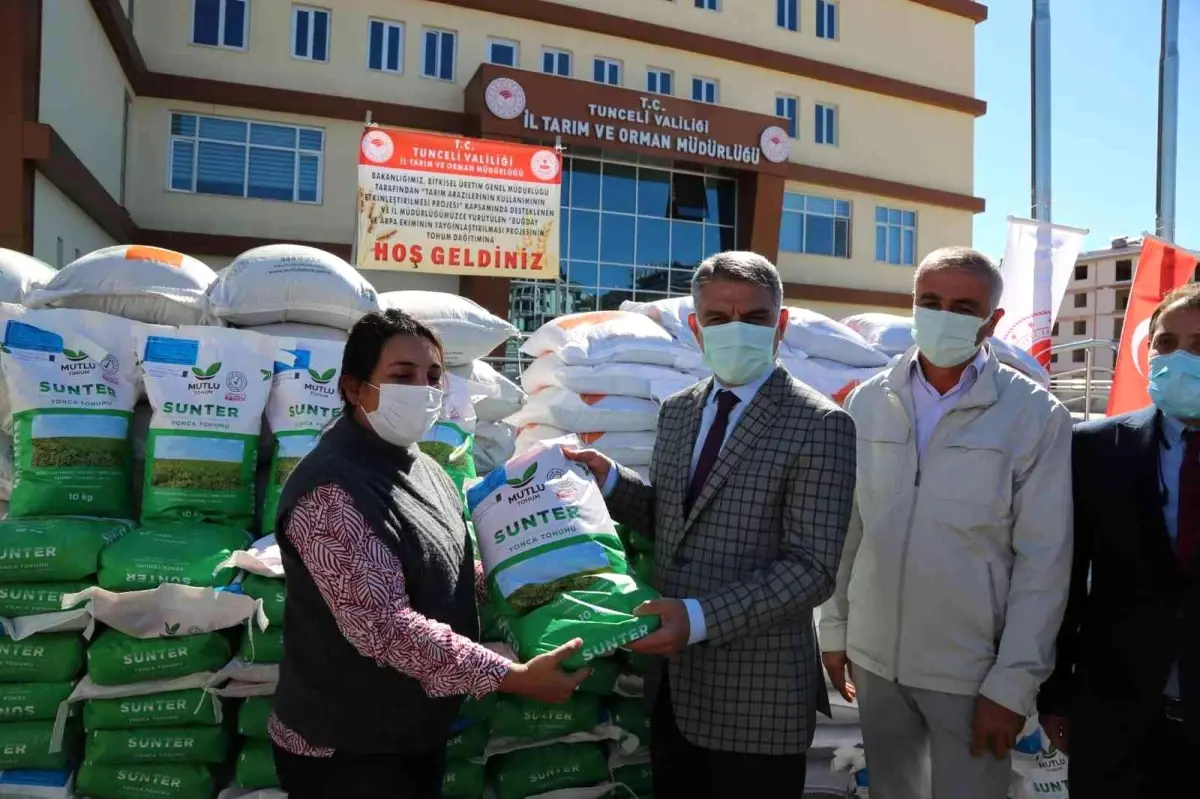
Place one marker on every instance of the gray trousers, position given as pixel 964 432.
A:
pixel 918 744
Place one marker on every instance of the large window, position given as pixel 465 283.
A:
pixel 504 52
pixel 385 46
pixel 815 225
pixel 710 5
pixel 438 56
pixel 556 62
pixel 704 90
pixel 787 14
pixel 658 81
pixel 630 231
pixel 826 123
pixel 606 70
pixel 1124 271
pixel 310 33
pixel 788 108
pixel 220 23
pixel 827 19
pixel 895 236
pixel 238 158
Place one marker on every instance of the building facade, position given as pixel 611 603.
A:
pixel 1094 308
pixel 212 126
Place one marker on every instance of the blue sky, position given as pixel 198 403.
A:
pixel 1105 78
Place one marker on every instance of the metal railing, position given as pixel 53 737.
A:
pixel 1087 383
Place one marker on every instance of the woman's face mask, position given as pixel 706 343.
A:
pixel 405 413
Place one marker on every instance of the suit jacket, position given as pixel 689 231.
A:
pixel 1120 638
pixel 759 550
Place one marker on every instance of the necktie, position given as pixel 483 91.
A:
pixel 1188 534
pixel 726 401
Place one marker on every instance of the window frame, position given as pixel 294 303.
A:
pixel 794 119
pixel 1128 263
pixel 704 83
pixel 297 9
pixel 196 139
pixel 787 11
pixel 221 45
pixel 1075 300
pixel 492 41
pixel 659 73
pixel 902 226
pixel 829 111
pixel 1078 327
pixel 822 21
pixel 848 217
pixel 1076 276
pixel 608 62
pixel 442 33
pixel 400 56
pixel 708 5
pixel 556 53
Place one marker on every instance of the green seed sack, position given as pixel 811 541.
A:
pixel 603 679
pixel 634 541
pixel 71 380
pixel 157 781
pixel 479 709
pixel 118 659
pixel 34 598
pixel 468 743
pixel 208 387
pixel 54 550
pixel 185 553
pixel 272 592
pixel 49 657
pixel 464 779
pixel 209 745
pixel 553 559
pixel 26 744
pixel 643 566
pixel 256 767
pixel 253 716
pixel 192 707
pixel 633 663
pixel 630 715
pixel 529 772
pixel 529 720
pixel 489 623
pixel 262 647
pixel 34 701
pixel 638 780
pixel 304 400
pixel 451 440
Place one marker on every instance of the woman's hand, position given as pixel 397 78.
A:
pixel 543 679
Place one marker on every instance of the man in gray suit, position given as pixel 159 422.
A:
pixel 752 484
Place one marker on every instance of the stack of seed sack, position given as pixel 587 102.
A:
pixel 469 333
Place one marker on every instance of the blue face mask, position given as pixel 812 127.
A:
pixel 1175 384
pixel 739 353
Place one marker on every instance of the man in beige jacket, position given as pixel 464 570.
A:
pixel 955 572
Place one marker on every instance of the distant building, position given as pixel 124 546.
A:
pixel 1094 306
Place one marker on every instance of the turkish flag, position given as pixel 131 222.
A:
pixel 1160 268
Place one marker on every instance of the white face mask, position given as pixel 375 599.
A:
pixel 405 413
pixel 946 339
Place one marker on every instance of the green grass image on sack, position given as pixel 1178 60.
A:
pixel 528 597
pixel 440 451
pixel 50 453
pixel 284 468
pixel 202 475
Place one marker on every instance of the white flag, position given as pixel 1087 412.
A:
pixel 1039 260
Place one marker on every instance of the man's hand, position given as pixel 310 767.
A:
pixel 1058 728
pixel 672 636
pixel 995 728
pixel 599 464
pixel 837 665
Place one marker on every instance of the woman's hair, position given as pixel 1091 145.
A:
pixel 368 338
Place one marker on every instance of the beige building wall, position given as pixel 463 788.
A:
pixel 83 89
pixel 879 136
pixel 60 228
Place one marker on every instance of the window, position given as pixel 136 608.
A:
pixel 238 158
pixel 826 125
pixel 708 5
pixel 826 19
pixel 310 33
pixel 895 236
pixel 659 81
pixel 606 70
pixel 704 90
pixel 1122 299
pixel 220 23
pixel 787 14
pixel 815 225
pixel 1054 329
pixel 1118 328
pixel 1079 356
pixel 1079 327
pixel 1054 357
pixel 1081 271
pixel 437 57
pixel 556 62
pixel 385 46
pixel 788 108
pixel 504 52
pixel 1124 270
pixel 1080 300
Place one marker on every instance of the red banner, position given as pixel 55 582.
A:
pixel 1160 268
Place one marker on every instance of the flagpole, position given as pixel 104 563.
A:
pixel 1040 93
pixel 1168 120
pixel 357 203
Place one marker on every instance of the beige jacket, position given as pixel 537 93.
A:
pixel 954 575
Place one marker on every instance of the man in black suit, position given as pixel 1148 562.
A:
pixel 1124 699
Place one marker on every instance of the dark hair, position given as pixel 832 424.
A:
pixel 1186 296
pixel 368 338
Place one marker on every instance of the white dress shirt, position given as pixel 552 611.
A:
pixel 930 406
pixel 745 394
